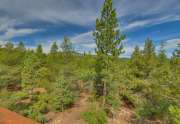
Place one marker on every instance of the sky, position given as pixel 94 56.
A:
pixel 45 21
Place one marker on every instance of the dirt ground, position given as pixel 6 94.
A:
pixel 9 117
pixel 73 115
pixel 123 116
pixel 70 116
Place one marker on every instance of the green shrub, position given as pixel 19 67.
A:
pixel 113 98
pixel 15 99
pixel 20 95
pixel 153 109
pixel 95 115
pixel 34 113
pixel 38 108
pixel 62 96
pixel 174 114
pixel 5 99
pixel 131 99
pixel 42 103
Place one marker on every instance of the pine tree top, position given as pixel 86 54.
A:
pixel 107 35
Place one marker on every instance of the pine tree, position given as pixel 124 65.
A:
pixel 19 53
pixel 11 56
pixel 54 48
pixel 149 49
pixel 136 53
pixel 28 74
pixel 149 57
pixel 39 49
pixel 107 35
pixel 53 59
pixel 9 45
pixel 137 62
pixel 162 54
pixel 63 96
pixel 176 53
pixel 66 46
pixel 175 60
pixel 108 40
pixel 40 54
pixel 21 47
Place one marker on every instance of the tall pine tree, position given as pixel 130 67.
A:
pixel 136 62
pixel 109 45
pixel 107 35
pixel 149 57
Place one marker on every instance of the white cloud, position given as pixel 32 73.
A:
pixel 11 33
pixel 136 24
pixel 129 46
pixel 170 46
pixel 147 7
pixel 91 45
pixel 5 23
pixel 84 42
pixel 150 22
pixel 82 12
pixel 3 42
pixel 76 12
pixel 83 38
pixel 172 43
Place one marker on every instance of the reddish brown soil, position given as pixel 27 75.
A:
pixel 9 117
pixel 72 115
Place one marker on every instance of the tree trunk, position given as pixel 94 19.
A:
pixel 104 94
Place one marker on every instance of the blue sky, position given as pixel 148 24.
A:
pixel 44 21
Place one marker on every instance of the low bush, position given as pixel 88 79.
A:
pixel 62 96
pixel 95 115
pixel 153 109
pixel 174 114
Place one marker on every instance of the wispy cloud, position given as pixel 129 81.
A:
pixel 150 22
pixel 2 42
pixel 172 43
pixel 83 38
pixel 90 45
pixel 11 33
pixel 83 13
pixel 6 23
pixel 56 11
